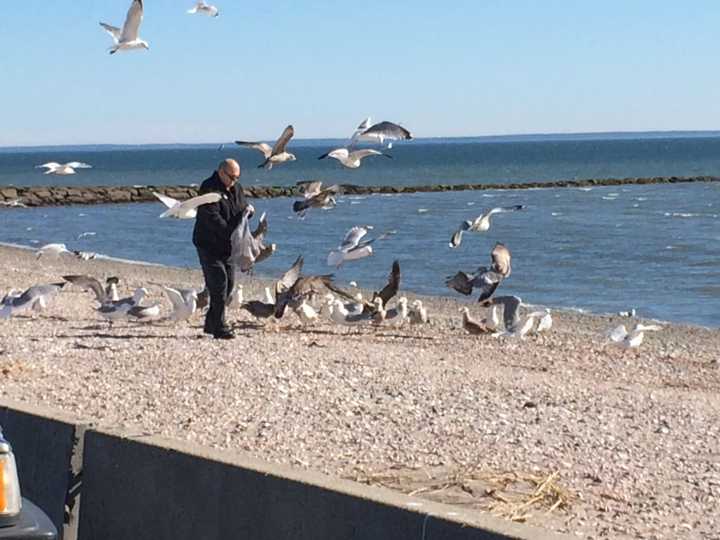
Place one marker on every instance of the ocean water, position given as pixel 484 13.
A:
pixel 655 248
pixel 419 162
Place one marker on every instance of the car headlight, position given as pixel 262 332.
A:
pixel 10 500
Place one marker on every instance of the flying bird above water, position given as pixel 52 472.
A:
pixel 63 169
pixel 383 131
pixel 275 155
pixel 186 209
pixel 127 38
pixel 204 8
pixel 486 279
pixel 315 196
pixel 352 248
pixel 352 160
pixel 480 223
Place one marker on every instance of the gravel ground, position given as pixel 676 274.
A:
pixel 561 430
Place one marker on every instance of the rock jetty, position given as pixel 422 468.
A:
pixel 64 195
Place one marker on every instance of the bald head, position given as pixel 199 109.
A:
pixel 229 171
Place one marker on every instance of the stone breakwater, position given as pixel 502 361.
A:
pixel 64 195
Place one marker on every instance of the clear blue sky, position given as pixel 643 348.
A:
pixel 452 68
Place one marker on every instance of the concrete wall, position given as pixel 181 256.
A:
pixel 46 445
pixel 137 487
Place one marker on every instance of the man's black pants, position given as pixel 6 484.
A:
pixel 219 280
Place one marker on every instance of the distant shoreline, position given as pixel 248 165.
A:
pixel 38 196
pixel 317 141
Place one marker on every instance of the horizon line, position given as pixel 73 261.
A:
pixel 429 138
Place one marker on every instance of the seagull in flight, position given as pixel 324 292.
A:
pixel 204 8
pixel 186 209
pixel 63 169
pixel 127 38
pixel 314 196
pixel 381 132
pixel 352 160
pixel 352 248
pixel 480 223
pixel 275 155
pixel 486 279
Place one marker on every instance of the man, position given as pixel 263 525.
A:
pixel 214 225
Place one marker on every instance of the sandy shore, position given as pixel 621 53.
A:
pixel 561 430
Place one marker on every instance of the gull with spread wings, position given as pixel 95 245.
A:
pixel 486 279
pixel 293 288
pixel 186 209
pixel 63 169
pixel 127 38
pixel 352 159
pixel 480 223
pixel 381 132
pixel 352 247
pixel 275 155
pixel 315 196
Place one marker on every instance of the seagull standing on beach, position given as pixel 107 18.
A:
pixel 275 155
pixel 204 8
pixel 383 131
pixel 487 279
pixel 480 223
pixel 63 169
pixel 352 160
pixel 127 38
pixel 418 313
pixel 188 208
pixel 633 339
pixel 472 326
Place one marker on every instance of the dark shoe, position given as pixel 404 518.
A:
pixel 226 334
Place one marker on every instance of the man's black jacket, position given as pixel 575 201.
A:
pixel 215 222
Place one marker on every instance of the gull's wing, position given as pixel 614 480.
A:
pixel 167 201
pixel 388 130
pixel 88 283
pixel 393 284
pixel 511 310
pixel 261 230
pixel 365 152
pixel 501 259
pixel 114 31
pixel 461 282
pixel 49 165
pixel 501 209
pixel 78 165
pixel 647 327
pixel 311 189
pixel 618 333
pixel 194 202
pixel 290 277
pixel 134 17
pixel 260 146
pixel 37 291
pixel 487 281
pixel 352 238
pixel 281 143
pixel 176 298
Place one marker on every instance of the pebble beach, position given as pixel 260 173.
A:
pixel 562 430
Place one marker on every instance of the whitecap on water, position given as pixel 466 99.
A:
pixel 608 198
pixel 471 204
pixel 556 213
pixel 422 210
